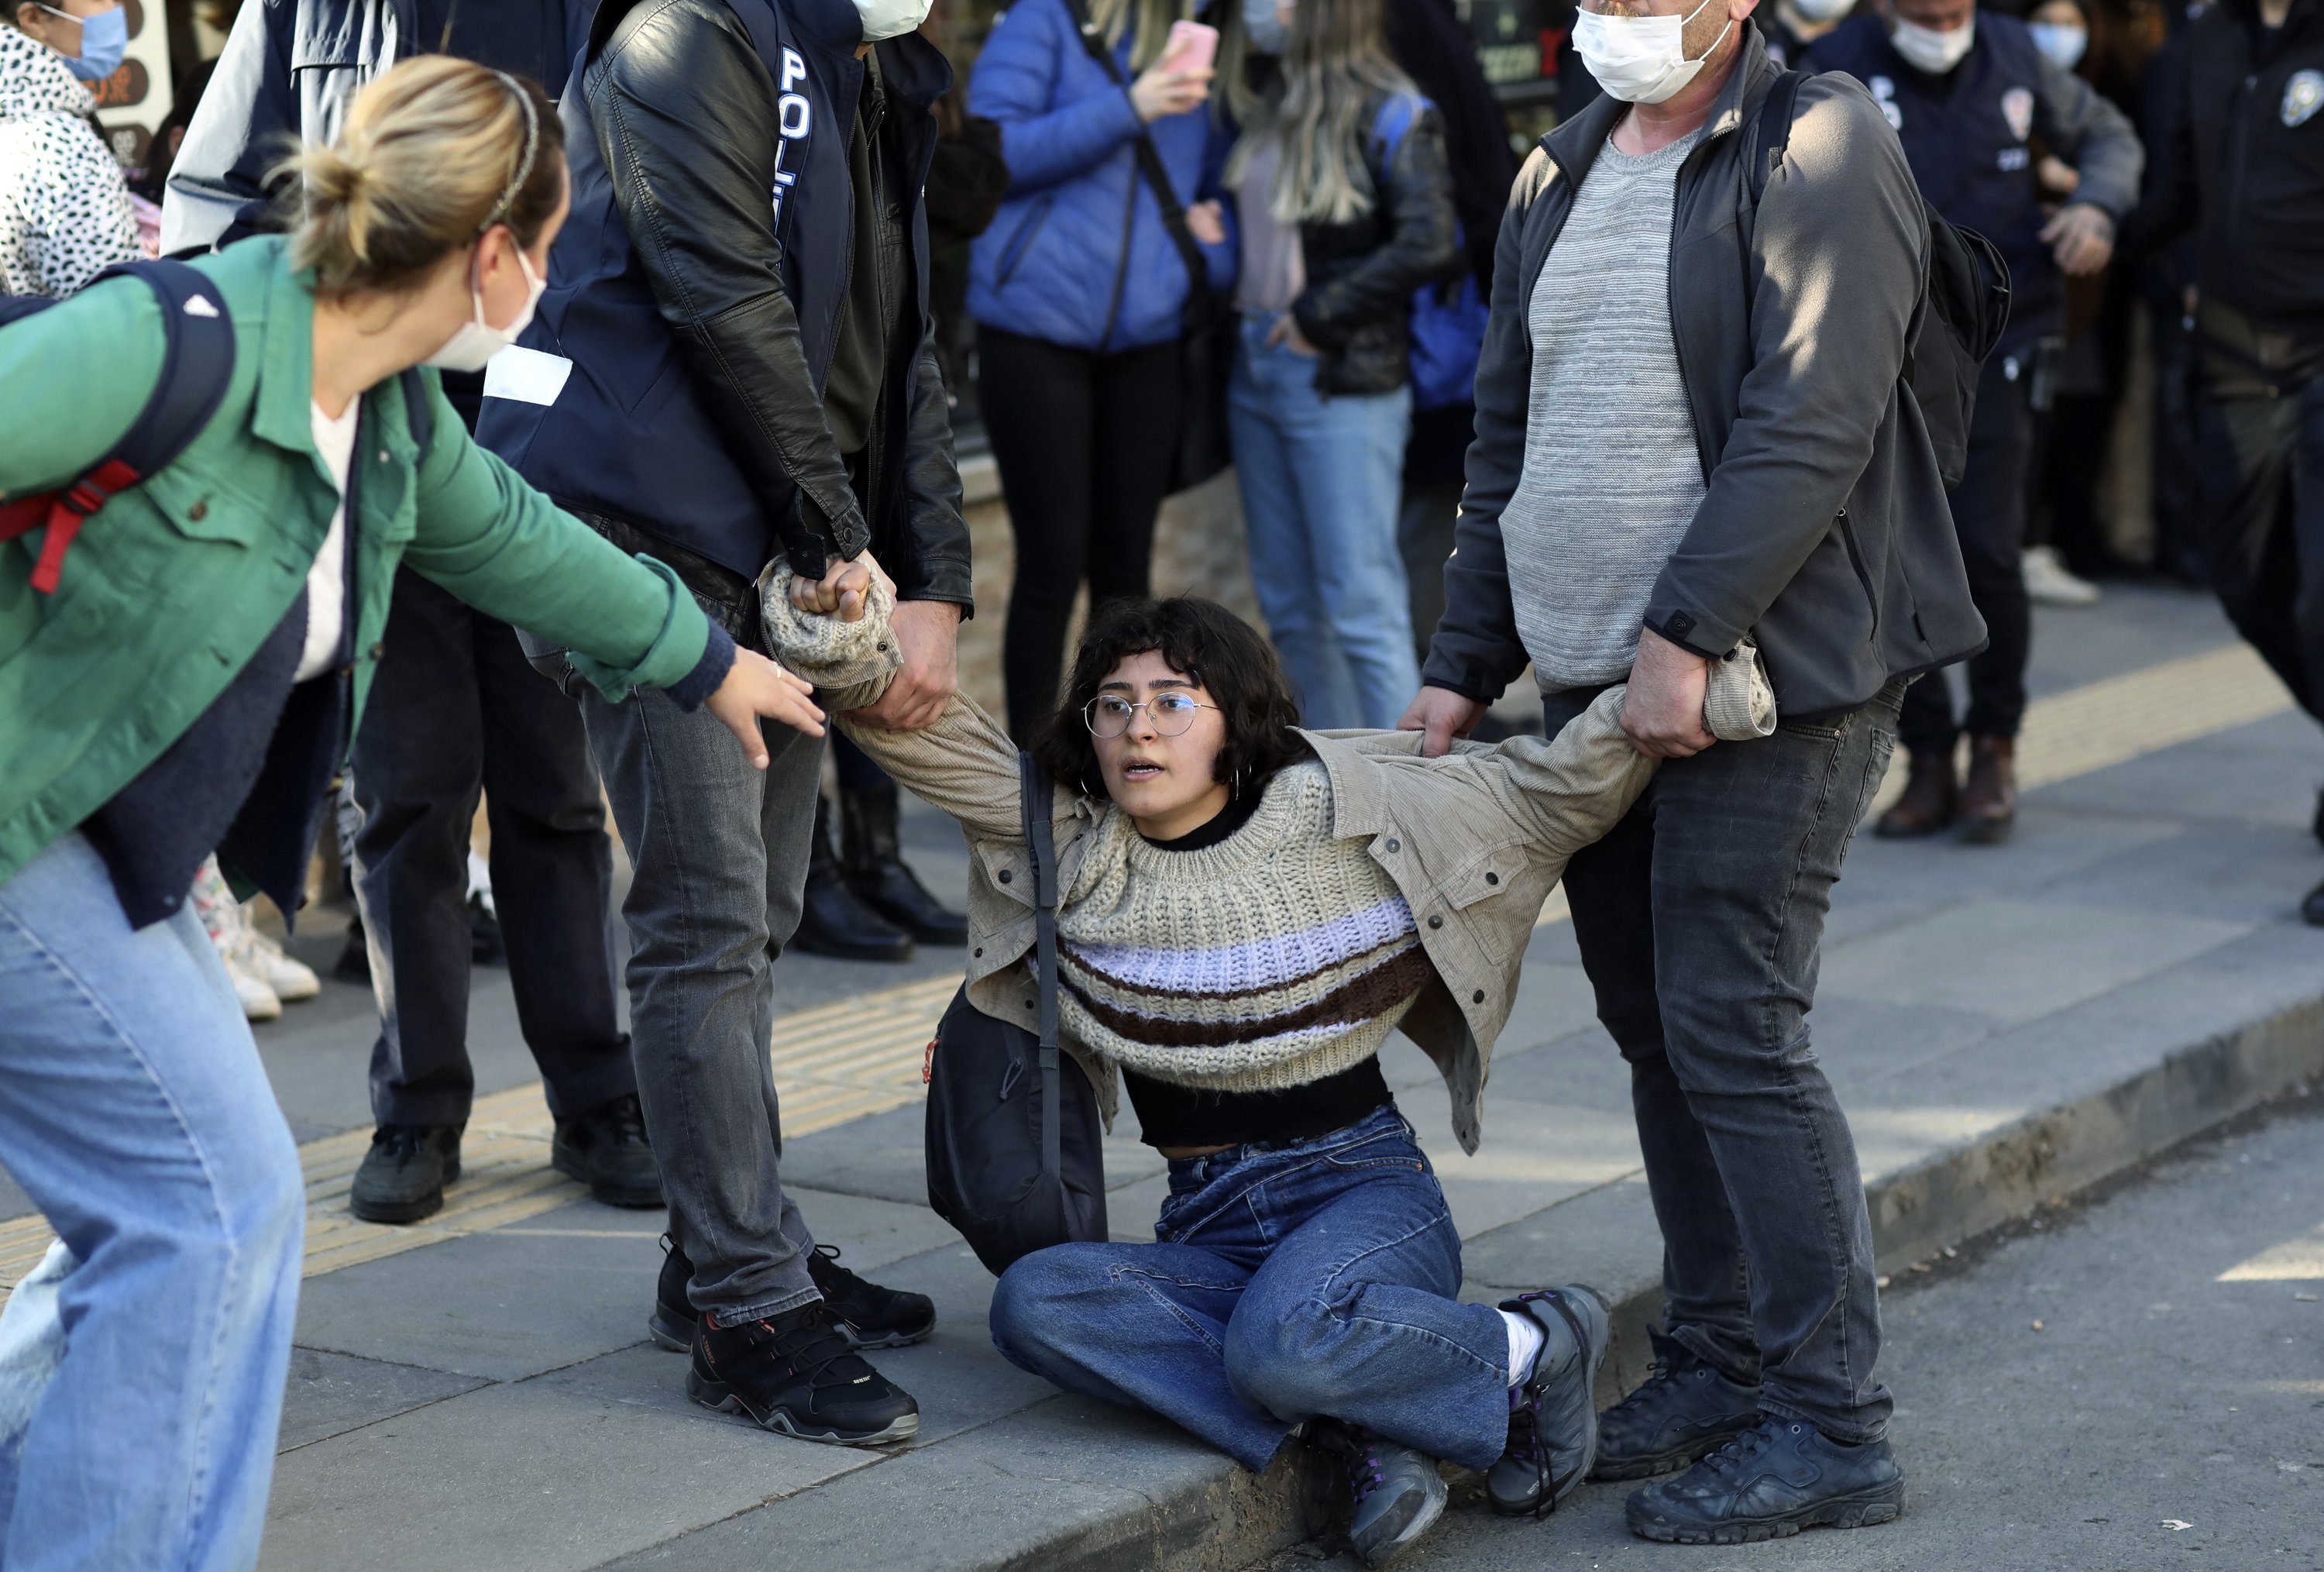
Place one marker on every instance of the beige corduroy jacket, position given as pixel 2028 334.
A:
pixel 1474 841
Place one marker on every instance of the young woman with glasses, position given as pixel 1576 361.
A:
pixel 1245 912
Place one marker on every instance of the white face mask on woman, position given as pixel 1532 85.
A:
pixel 1641 60
pixel 1822 9
pixel 2063 41
pixel 475 341
pixel 1926 49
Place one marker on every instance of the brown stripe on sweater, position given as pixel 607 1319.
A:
pixel 1408 939
pixel 1365 998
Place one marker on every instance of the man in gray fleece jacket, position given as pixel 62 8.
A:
pixel 1692 428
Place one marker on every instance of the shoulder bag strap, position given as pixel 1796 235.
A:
pixel 1040 841
pixel 1149 164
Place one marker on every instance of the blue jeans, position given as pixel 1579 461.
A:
pixel 1321 483
pixel 1284 1282
pixel 134 1111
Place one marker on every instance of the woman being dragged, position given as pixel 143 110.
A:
pixel 1244 913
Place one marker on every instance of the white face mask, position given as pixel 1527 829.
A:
pixel 892 18
pixel 2063 41
pixel 1926 49
pixel 1264 28
pixel 475 341
pixel 1822 9
pixel 1641 60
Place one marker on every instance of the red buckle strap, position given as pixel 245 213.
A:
pixel 64 511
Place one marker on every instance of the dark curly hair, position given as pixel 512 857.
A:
pixel 1204 642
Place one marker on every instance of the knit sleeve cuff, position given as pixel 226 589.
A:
pixel 717 659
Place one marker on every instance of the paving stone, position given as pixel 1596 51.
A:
pixel 2234 872
pixel 2015 960
pixel 2262 772
pixel 330 1394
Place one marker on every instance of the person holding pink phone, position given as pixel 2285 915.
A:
pixel 1079 291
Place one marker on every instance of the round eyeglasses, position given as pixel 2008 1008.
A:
pixel 1108 714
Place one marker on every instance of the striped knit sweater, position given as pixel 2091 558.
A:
pixel 1278 956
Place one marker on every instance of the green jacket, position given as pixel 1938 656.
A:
pixel 171 590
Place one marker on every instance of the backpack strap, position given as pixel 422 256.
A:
pixel 1776 112
pixel 1035 796
pixel 419 411
pixel 196 364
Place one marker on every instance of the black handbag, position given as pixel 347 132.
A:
pixel 1013 1157
pixel 1207 324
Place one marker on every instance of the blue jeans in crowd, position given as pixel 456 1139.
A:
pixel 134 1111
pixel 1284 1282
pixel 1321 485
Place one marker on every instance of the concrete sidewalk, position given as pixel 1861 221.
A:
pixel 2003 1025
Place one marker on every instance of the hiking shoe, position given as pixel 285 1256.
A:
pixel 403 1175
pixel 868 1316
pixel 606 1149
pixel 1774 1479
pixel 1686 1410
pixel 671 1324
pixel 1395 1492
pixel 795 1375
pixel 1553 1415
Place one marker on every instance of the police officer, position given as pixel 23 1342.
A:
pixel 1967 93
pixel 2246 173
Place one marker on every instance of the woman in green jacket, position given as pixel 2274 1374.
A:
pixel 189 685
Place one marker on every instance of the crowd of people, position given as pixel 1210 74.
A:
pixel 562 399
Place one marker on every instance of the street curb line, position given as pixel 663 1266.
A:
pixel 1230 1519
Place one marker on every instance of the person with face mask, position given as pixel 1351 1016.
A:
pixel 64 205
pixel 189 684
pixel 1795 25
pixel 90 36
pixel 1968 91
pixel 1689 442
pixel 457 711
pixel 736 363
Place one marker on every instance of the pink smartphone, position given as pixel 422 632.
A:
pixel 1192 47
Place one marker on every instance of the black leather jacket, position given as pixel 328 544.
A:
pixel 687 122
pixel 1360 274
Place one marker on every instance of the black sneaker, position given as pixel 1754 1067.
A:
pixel 607 1150
pixel 1393 1494
pixel 868 1316
pixel 1686 1410
pixel 794 1373
pixel 403 1175
pixel 1774 1479
pixel 1553 1412
pixel 671 1324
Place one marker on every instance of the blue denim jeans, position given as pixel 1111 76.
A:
pixel 134 1111
pixel 1284 1282
pixel 1320 485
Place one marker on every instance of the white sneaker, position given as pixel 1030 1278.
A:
pixel 258 1001
pixel 2049 582
pixel 291 979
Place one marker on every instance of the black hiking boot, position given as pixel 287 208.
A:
pixel 834 919
pixel 674 1315
pixel 1553 1411
pixel 403 1175
pixel 1393 1494
pixel 868 1316
pixel 606 1149
pixel 1774 1479
pixel 795 1375
pixel 873 853
pixel 1686 1410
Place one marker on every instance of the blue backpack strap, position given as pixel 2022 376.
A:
pixel 1395 118
pixel 197 366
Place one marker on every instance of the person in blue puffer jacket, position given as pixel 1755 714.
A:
pixel 1077 291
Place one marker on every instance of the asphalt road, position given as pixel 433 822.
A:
pixel 2131 1384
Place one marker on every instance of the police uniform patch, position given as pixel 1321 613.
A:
pixel 2302 96
pixel 2017 108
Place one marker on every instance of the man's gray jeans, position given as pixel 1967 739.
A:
pixel 1700 920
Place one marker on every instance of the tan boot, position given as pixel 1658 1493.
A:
pixel 1931 795
pixel 1988 803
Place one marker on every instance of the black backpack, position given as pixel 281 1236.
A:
pixel 1964 299
pixel 197 366
pixel 1013 1157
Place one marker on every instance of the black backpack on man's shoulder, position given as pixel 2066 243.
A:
pixel 1964 299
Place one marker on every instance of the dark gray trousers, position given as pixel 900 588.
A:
pixel 1699 921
